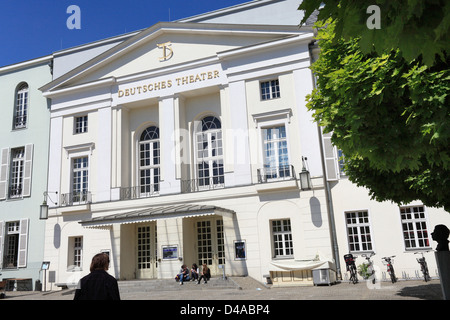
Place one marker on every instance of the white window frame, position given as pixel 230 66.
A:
pixel 21 228
pixel 272 88
pixel 73 152
pixel 75 253
pixel 358 222
pixel 273 168
pixel 21 106
pixel 80 124
pixel 412 218
pixel 76 171
pixel 273 119
pixel 154 188
pixel 282 240
pixel 214 146
pixel 23 176
pixel 17 175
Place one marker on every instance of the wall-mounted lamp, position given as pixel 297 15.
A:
pixel 43 214
pixel 305 177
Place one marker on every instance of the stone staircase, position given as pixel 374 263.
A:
pixel 172 285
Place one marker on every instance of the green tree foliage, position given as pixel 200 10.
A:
pixel 416 27
pixel 389 116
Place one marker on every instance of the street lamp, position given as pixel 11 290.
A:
pixel 43 214
pixel 305 177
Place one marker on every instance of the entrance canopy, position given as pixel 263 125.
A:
pixel 155 213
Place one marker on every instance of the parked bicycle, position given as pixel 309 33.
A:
pixel 351 267
pixel 370 270
pixel 388 261
pixel 423 266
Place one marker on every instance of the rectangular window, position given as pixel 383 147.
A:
pixel 358 231
pixel 270 89
pixel 414 225
pixel 17 172
pixel 80 175
pixel 75 253
pixel 20 117
pixel 11 245
pixel 210 167
pixel 149 154
pixel 282 238
pixel 81 124
pixel 275 148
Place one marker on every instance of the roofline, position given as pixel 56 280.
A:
pixel 159 27
pixel 25 64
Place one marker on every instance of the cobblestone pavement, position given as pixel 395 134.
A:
pixel 247 288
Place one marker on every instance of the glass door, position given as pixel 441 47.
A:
pixel 146 251
pixel 210 244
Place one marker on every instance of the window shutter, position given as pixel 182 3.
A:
pixel 2 230
pixel 23 243
pixel 4 168
pixel 331 161
pixel 27 170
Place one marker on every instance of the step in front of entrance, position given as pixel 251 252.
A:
pixel 171 285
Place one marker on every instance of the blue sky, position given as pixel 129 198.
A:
pixel 34 28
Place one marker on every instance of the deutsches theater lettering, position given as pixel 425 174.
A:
pixel 166 84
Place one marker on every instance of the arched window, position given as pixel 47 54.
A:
pixel 21 107
pixel 149 161
pixel 210 154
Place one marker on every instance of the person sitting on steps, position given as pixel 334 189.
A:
pixel 184 274
pixel 206 275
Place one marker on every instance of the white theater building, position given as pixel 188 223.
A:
pixel 183 143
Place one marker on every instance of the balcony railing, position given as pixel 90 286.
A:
pixel 264 175
pixel 75 198
pixel 279 173
pixel 15 192
pixel 202 184
pixel 20 122
pixel 130 193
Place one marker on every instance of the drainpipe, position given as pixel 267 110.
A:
pixel 313 50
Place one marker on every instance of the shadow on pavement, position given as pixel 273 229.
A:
pixel 426 292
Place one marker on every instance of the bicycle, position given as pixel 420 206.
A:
pixel 390 268
pixel 351 267
pixel 370 271
pixel 423 267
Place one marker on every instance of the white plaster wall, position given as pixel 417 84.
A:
pixel 386 228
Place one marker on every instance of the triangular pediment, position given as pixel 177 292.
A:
pixel 166 45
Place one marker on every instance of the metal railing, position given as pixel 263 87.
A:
pixel 137 192
pixel 20 122
pixel 15 192
pixel 202 184
pixel 269 174
pixel 75 198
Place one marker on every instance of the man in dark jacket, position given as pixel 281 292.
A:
pixel 98 285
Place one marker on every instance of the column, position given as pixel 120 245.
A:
pixel 309 136
pixel 104 155
pixel 54 161
pixel 168 138
pixel 238 137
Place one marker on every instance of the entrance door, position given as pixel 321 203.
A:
pixel 210 244
pixel 146 251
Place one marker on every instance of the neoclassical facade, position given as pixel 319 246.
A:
pixel 184 142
